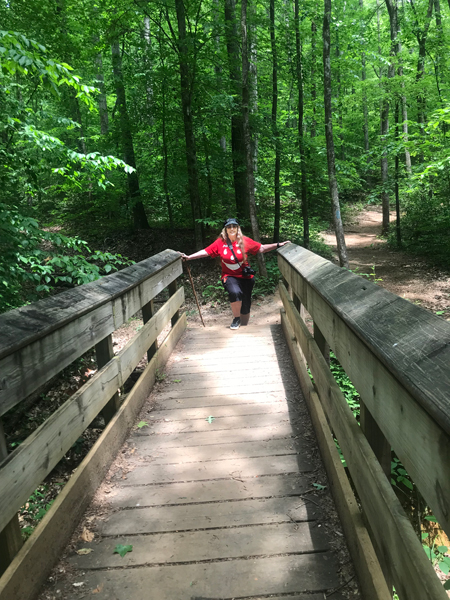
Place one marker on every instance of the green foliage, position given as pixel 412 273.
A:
pixel 399 475
pixel 267 285
pixel 123 549
pixel 345 385
pixel 35 509
pixel 34 262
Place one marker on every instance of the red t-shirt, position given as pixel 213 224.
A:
pixel 229 265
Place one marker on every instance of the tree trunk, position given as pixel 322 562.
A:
pixel 397 175
pixel 253 86
pixel 247 135
pixel 364 98
pixel 337 220
pixel 148 64
pixel 101 100
pixel 186 102
pixel 276 135
pixel 313 78
pixel 237 130
pixel 301 140
pixel 421 35
pixel 218 67
pixel 139 216
pixel 440 45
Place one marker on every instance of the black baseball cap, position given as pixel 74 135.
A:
pixel 231 221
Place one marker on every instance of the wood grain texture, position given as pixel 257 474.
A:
pixel 370 575
pixel 412 343
pixel 42 338
pixel 27 466
pixel 399 415
pixel 413 575
pixel 33 563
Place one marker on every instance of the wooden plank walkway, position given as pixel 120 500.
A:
pixel 216 494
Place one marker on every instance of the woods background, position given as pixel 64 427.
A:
pixel 175 114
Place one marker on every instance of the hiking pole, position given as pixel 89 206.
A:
pixel 193 289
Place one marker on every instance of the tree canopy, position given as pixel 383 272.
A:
pixel 178 113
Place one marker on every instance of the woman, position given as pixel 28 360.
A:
pixel 232 247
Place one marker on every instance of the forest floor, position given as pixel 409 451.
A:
pixel 410 276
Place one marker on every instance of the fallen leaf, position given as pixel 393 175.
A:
pixel 210 419
pixel 122 550
pixel 98 589
pixel 87 535
pixel 83 551
pixel 142 424
pixel 318 486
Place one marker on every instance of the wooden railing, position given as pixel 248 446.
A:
pixel 397 355
pixel 36 343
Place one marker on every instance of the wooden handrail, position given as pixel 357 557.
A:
pixel 51 334
pixel 385 344
pixel 40 339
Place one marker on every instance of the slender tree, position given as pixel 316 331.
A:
pixel 337 219
pixel 301 140
pixel 139 216
pixel 275 132
pixel 247 135
pixel 186 82
pixel 237 127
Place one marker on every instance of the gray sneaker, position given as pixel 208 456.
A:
pixel 236 323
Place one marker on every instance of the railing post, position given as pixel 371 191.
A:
pixel 104 353
pixel 11 537
pixel 382 450
pixel 322 343
pixel 147 313
pixel 172 290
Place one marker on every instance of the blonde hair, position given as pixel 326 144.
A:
pixel 239 239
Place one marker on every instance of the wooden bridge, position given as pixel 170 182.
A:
pixel 219 493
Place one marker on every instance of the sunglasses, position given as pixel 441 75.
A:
pixel 231 226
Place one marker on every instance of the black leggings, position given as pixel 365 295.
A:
pixel 240 289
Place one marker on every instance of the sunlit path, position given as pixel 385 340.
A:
pixel 217 494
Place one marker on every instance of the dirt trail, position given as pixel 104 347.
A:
pixel 406 275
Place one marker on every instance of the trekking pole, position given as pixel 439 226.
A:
pixel 193 289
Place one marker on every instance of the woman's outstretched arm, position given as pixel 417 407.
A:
pixel 199 254
pixel 269 247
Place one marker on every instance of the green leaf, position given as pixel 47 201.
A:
pixel 122 550
pixel 210 419
pixel 424 535
pixel 431 518
pixel 177 381
pixel 428 552
pixel 142 424
pixel 318 486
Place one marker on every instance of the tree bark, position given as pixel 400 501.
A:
pixel 337 220
pixel 186 102
pixel 275 132
pixel 421 35
pixel 253 85
pixel 301 139
pixel 313 78
pixel 139 216
pixel 237 130
pixel 149 69
pixel 364 98
pixel 247 135
pixel 101 100
pixel 397 175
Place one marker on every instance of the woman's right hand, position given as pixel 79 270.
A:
pixel 183 256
